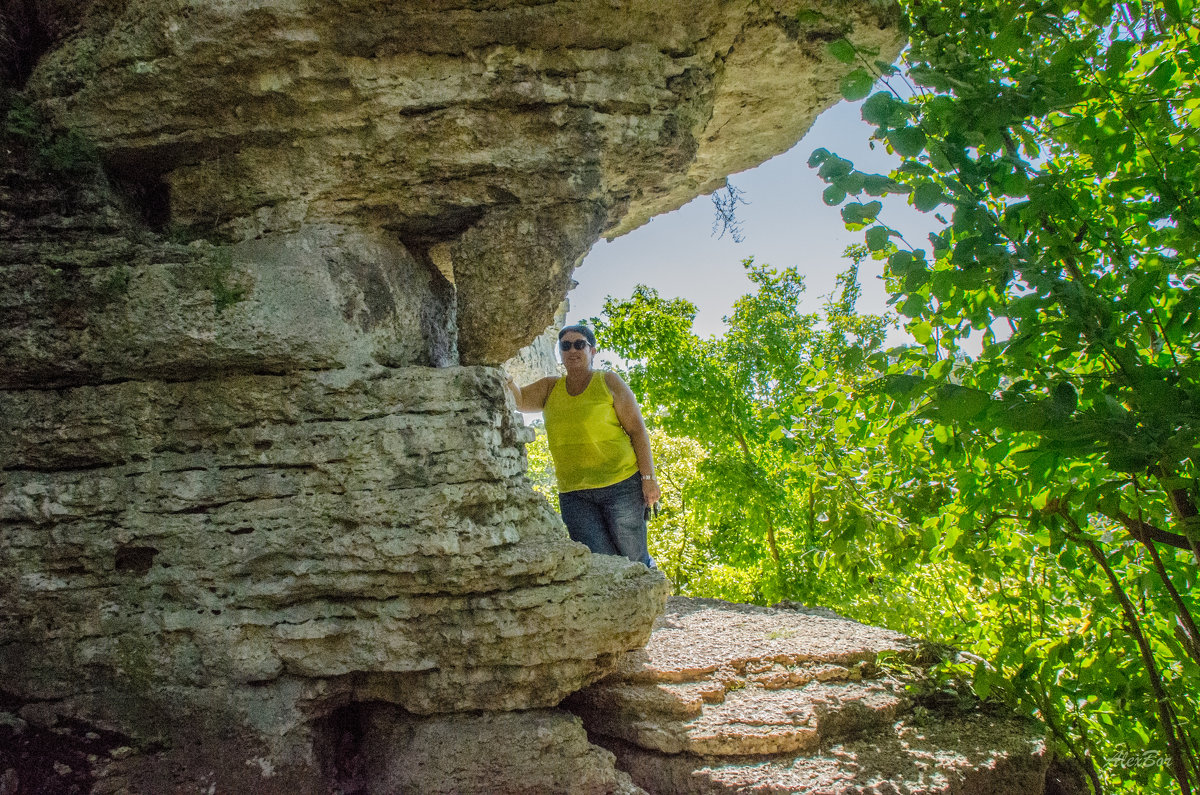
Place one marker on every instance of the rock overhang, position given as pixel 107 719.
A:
pixel 241 458
pixel 511 135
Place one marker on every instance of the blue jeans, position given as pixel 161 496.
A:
pixel 609 520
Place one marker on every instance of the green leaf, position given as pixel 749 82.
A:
pixel 879 108
pixel 917 277
pixel 981 682
pixel 878 237
pixel 900 262
pixel 852 182
pixel 1022 415
pixel 1130 459
pixel 941 368
pixel 915 306
pixel 1116 60
pixel 879 185
pixel 1065 398
pixel 927 196
pixel 907 141
pixel 834 167
pixel 998 451
pixel 929 77
pixel 858 213
pixel 841 49
pixel 857 84
pixel 956 403
pixel 833 195
pixel 901 385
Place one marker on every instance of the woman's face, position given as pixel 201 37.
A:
pixel 575 357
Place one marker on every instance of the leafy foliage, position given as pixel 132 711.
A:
pixel 761 403
pixel 540 466
pixel 67 154
pixel 1029 497
pixel 1057 143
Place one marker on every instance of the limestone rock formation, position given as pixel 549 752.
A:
pixel 737 698
pixel 498 140
pixel 544 751
pixel 539 358
pixel 217 501
pixel 261 488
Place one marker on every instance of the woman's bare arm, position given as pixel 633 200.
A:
pixel 630 417
pixel 532 397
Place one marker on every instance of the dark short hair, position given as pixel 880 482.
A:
pixel 584 330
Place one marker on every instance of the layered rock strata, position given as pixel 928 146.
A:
pixel 261 489
pixel 226 520
pixel 543 751
pixel 736 698
pixel 497 141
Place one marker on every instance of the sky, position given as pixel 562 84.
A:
pixel 785 223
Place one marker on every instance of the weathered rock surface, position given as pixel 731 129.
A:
pixel 543 751
pixel 499 139
pixel 539 358
pixel 736 698
pixel 219 500
pixel 242 528
pixel 259 498
pixel 320 299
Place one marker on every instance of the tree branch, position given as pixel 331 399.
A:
pixel 1146 532
pixel 1162 701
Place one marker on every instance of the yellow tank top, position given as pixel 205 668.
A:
pixel 589 447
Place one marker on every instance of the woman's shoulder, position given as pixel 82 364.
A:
pixel 616 384
pixel 611 378
pixel 540 390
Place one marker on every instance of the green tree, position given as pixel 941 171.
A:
pixel 540 466
pixel 679 539
pixel 1057 144
pixel 761 401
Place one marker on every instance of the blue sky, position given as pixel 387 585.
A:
pixel 785 223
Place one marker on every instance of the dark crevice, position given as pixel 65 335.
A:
pixel 135 560
pixel 141 182
pixel 28 30
pixel 59 758
pixel 40 380
pixel 419 234
pixel 338 745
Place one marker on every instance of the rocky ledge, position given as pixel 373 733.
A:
pixel 732 698
pixel 488 143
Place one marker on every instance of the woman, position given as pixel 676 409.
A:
pixel 600 448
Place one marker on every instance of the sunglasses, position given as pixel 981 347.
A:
pixel 578 345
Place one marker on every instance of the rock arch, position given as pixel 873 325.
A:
pixel 256 466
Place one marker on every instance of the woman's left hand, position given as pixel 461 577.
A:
pixel 650 491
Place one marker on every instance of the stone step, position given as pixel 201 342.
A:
pixel 738 698
pixel 930 756
pixel 745 720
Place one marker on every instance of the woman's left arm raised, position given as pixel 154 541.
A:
pixel 630 417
